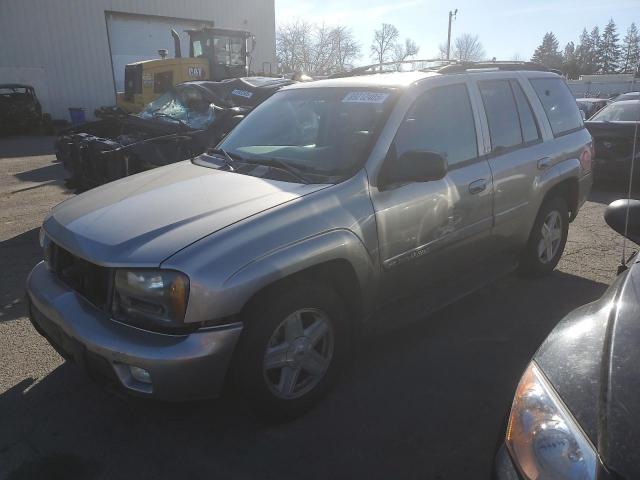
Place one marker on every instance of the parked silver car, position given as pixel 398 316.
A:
pixel 337 207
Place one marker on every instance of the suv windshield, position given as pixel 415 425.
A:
pixel 617 112
pixel 187 105
pixel 326 131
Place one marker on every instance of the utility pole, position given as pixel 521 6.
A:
pixel 452 15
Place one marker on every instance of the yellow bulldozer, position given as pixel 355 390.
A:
pixel 214 54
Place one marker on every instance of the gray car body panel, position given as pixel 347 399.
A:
pixel 234 235
pixel 140 220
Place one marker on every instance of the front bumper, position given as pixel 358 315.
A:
pixel 503 467
pixel 181 367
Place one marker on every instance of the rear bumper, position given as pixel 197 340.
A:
pixel 181 367
pixel 585 183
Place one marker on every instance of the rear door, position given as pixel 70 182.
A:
pixel 515 151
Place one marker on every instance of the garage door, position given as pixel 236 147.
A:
pixel 139 37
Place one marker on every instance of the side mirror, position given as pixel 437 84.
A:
pixel 616 216
pixel 415 166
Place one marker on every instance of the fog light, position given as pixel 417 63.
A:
pixel 140 374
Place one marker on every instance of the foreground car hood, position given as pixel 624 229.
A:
pixel 592 360
pixel 143 219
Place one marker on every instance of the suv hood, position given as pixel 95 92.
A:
pixel 143 219
pixel 592 360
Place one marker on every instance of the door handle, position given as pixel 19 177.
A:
pixel 477 186
pixel 544 163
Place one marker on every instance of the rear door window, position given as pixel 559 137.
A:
pixel 530 132
pixel 559 105
pixel 440 121
pixel 502 114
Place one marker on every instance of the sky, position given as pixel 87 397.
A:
pixel 505 28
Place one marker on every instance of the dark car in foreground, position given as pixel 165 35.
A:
pixel 20 108
pixel 576 411
pixel 180 124
pixel 613 129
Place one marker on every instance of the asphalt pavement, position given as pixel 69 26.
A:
pixel 426 401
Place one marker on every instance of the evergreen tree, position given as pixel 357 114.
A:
pixel 596 62
pixel 570 62
pixel 609 49
pixel 585 54
pixel 547 53
pixel 630 54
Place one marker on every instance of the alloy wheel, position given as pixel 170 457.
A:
pixel 551 237
pixel 299 353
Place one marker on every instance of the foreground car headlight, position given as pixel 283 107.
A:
pixel 47 247
pixel 543 438
pixel 151 298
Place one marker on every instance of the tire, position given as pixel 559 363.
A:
pixel 285 389
pixel 536 259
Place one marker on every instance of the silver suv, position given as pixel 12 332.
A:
pixel 337 207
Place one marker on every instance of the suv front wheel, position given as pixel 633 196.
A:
pixel 294 342
pixel 547 239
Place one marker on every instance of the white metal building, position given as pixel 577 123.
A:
pixel 74 51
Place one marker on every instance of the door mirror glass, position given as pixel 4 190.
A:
pixel 415 166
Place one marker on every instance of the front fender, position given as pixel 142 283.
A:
pixel 242 285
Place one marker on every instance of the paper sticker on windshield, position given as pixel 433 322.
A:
pixel 365 97
pixel 242 93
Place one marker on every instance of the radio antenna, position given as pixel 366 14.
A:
pixel 623 260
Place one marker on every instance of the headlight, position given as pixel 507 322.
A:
pixel 47 246
pixel 151 298
pixel 544 439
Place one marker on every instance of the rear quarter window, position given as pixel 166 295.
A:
pixel 559 105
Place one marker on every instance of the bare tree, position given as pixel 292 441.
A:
pixel 293 43
pixel 345 48
pixel 401 52
pixel 442 51
pixel 516 57
pixel 384 41
pixel 315 49
pixel 467 48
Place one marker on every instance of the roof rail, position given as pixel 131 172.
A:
pixel 467 67
pixel 433 64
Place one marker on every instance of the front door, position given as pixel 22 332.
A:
pixel 430 231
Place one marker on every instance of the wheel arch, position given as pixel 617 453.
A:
pixel 337 258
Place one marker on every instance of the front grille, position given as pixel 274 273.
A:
pixel 91 281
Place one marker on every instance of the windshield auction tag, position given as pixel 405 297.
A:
pixel 242 93
pixel 365 97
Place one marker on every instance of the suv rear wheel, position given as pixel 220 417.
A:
pixel 292 348
pixel 547 239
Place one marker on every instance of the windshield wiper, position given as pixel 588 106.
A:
pixel 228 159
pixel 164 115
pixel 280 165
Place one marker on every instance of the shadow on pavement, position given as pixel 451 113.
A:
pixel 606 195
pixel 26 146
pixel 424 401
pixel 48 173
pixel 18 255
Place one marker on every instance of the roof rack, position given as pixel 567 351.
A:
pixel 444 67
pixel 386 67
pixel 468 67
